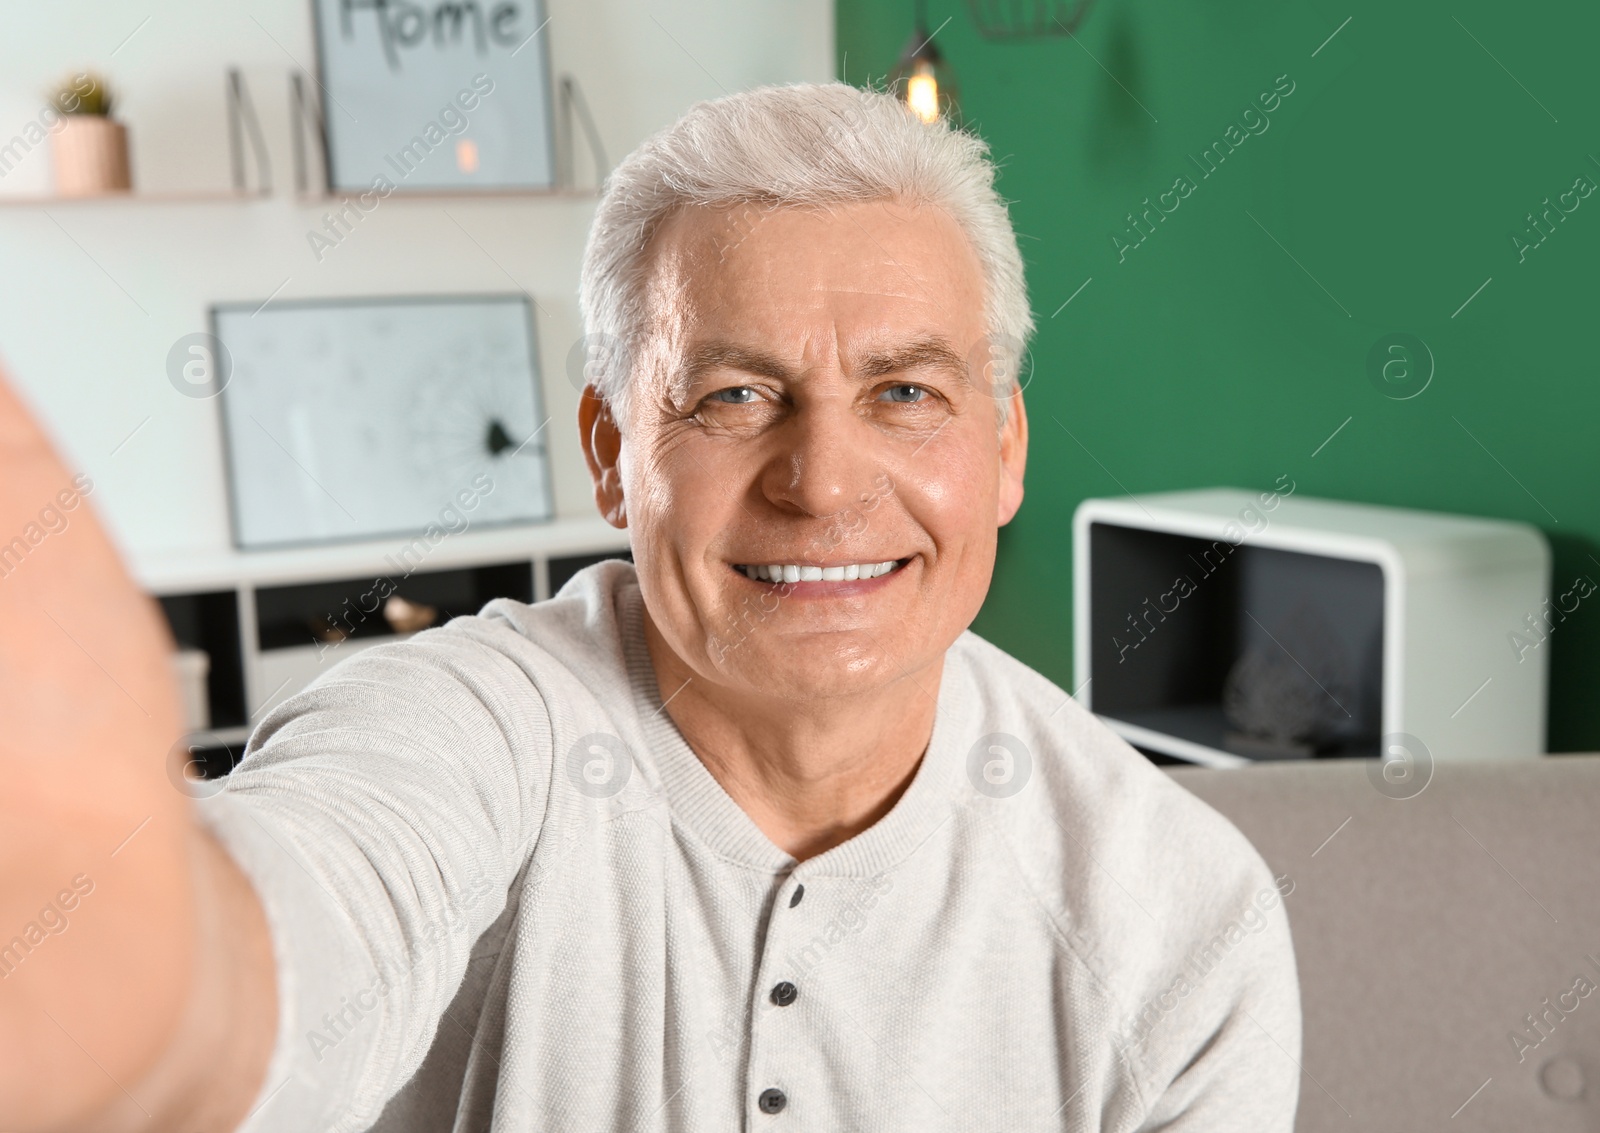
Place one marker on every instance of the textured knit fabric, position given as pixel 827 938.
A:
pixel 505 895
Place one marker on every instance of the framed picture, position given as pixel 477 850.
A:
pixel 435 94
pixel 352 419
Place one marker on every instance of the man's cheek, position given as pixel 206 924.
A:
pixel 958 492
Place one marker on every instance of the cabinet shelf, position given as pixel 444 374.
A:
pixel 257 614
pixel 173 572
pixel 445 196
pixel 302 200
pixel 214 196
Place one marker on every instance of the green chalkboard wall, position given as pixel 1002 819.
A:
pixel 1400 188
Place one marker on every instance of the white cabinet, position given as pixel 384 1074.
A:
pixel 1223 626
pixel 268 623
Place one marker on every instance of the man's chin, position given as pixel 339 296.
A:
pixel 809 671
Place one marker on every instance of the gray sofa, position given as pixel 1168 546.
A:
pixel 1428 930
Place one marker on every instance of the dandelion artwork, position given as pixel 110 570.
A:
pixel 354 419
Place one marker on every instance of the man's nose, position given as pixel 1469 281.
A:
pixel 826 458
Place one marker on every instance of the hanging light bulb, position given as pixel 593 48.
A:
pixel 922 78
pixel 922 92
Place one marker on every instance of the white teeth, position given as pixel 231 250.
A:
pixel 776 572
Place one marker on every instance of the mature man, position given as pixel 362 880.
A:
pixel 752 834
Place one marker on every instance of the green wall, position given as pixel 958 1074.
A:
pixel 1394 177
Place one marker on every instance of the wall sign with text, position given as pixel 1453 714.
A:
pixel 423 95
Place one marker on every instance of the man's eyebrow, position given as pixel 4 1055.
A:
pixel 727 356
pixel 931 353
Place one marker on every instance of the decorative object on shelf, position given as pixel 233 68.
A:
pixel 242 120
pixel 1224 626
pixel 1027 19
pixel 405 616
pixel 306 116
pixel 89 148
pixel 1288 697
pixel 354 419
pixel 433 96
pixel 326 631
pixel 571 101
pixel 922 78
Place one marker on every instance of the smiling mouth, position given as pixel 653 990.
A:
pixel 796 572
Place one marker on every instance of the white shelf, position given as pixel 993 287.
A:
pixel 1450 591
pixel 1426 542
pixel 319 199
pixel 1174 746
pixel 220 737
pixel 197 197
pixel 181 572
pixel 313 200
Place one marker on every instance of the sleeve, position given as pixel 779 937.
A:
pixel 382 814
pixel 1219 1035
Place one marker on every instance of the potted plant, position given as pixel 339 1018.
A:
pixel 89 148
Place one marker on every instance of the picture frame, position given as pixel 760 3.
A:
pixel 357 419
pixel 435 95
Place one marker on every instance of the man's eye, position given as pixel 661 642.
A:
pixel 736 395
pixel 904 393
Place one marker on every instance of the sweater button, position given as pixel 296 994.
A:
pixel 772 1101
pixel 785 993
pixel 799 892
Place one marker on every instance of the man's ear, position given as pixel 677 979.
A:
pixel 602 449
pixel 1013 458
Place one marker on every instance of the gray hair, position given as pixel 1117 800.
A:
pixel 803 145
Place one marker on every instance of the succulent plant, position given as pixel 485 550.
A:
pixel 84 93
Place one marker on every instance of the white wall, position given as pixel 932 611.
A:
pixel 93 294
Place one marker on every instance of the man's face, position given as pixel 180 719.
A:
pixel 816 401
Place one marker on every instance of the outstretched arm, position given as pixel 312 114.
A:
pixel 136 974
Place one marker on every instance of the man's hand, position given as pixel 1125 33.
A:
pixel 136 980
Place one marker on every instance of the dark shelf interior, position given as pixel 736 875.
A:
pixel 210 621
pixel 288 616
pixel 1172 615
pixel 214 760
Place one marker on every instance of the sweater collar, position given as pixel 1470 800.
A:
pixel 698 802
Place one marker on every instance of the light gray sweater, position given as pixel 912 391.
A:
pixel 505 895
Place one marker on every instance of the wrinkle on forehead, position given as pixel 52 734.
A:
pixel 875 293
pixel 694 234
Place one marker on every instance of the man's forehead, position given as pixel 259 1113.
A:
pixel 775 288
pixel 799 273
pixel 730 303
pixel 870 242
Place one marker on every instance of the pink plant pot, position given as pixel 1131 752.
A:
pixel 90 155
